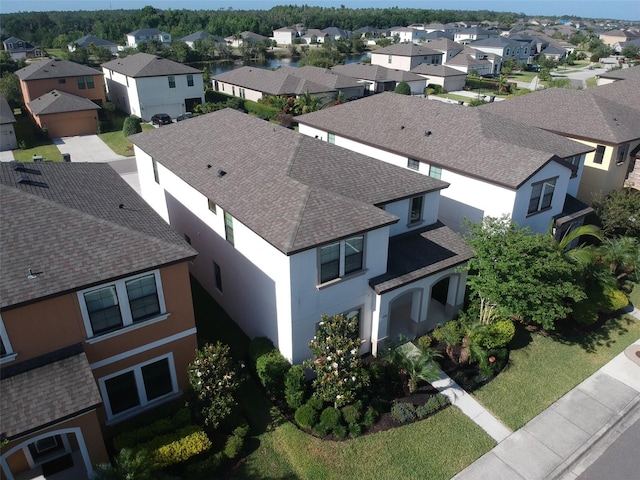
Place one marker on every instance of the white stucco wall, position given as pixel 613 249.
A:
pixel 398 62
pixel 8 137
pixel 231 89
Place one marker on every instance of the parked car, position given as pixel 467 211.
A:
pixel 533 68
pixel 184 116
pixel 161 119
pixel 490 75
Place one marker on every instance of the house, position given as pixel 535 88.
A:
pixel 376 78
pixel 619 46
pixel 610 129
pixel 471 59
pixel 190 40
pixel 62 97
pixel 335 33
pixel 144 84
pixel 145 35
pixel 405 56
pixel 254 83
pixel 451 28
pixel 611 76
pixel 244 37
pixel 62 114
pixel 18 49
pixel 96 318
pixel 448 47
pixel 494 166
pixel 467 35
pixel 366 32
pixel 313 35
pixel 407 34
pixel 285 35
pixel 288 228
pixel 503 47
pixel 88 40
pixel 7 126
pixel 450 79
pixel 612 37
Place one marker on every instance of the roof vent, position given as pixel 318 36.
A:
pixel 221 173
pixel 427 133
pixel 23 179
pixel 401 127
pixel 208 165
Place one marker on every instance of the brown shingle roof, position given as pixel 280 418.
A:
pixel 321 76
pixel 436 70
pixel 624 93
pixel 57 101
pixel 70 230
pixel 146 65
pixel 406 50
pixel 43 395
pixel 54 68
pixel 623 74
pixel 465 140
pixel 572 113
pixel 271 82
pixel 377 73
pixel 294 191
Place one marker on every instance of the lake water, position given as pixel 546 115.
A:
pixel 221 67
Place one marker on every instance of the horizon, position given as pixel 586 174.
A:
pixel 628 10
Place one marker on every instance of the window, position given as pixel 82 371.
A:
pixel 541 196
pixel 138 386
pixel 623 153
pixel 189 80
pixel 507 52
pixel 81 84
pixel 187 239
pixel 435 172
pixel 341 258
pixel 599 154
pixel 331 137
pixel 233 90
pixel 47 449
pixel 242 94
pixel 575 165
pixel 228 228
pixel 390 59
pixel 415 212
pixel 90 83
pixel 154 164
pixel 5 345
pixel 217 276
pixel 413 164
pixel 172 81
pixel 121 304
pixel 212 206
pixel 62 81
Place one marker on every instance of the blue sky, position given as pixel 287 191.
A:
pixel 608 9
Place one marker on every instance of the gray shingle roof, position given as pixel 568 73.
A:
pixel 199 35
pixel 87 40
pixel 271 82
pixel 406 50
pixel 623 74
pixel 43 395
pixel 148 32
pixel 72 233
pixel 12 45
pixel 495 42
pixel 377 73
pixel 57 101
pixel 6 112
pixel 466 140
pixel 572 113
pixel 322 76
pixel 146 65
pixel 436 70
pixel 294 191
pixel 463 60
pixel 624 93
pixel 54 68
pixel 444 45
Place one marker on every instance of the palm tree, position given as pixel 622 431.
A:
pixel 582 254
pixel 416 364
pixel 622 254
pixel 307 103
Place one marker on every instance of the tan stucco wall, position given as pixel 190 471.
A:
pixel 36 88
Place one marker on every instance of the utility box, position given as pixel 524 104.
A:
pixel 37 158
pixel 66 157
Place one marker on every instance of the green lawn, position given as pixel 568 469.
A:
pixel 454 97
pixel 116 139
pixel 522 76
pixel 591 82
pixel 26 134
pixel 47 152
pixel 435 448
pixel 543 368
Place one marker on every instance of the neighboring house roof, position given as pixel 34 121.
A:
pixel 75 225
pixel 6 112
pixel 624 93
pixel 468 140
pixel 147 65
pixel 465 60
pixel 445 45
pixel 406 50
pixel 294 191
pixel 87 40
pixel 376 73
pixel 437 35
pixel 11 45
pixel 335 32
pixel 584 116
pixel 53 391
pixel 553 50
pixel 366 29
pixel 494 42
pixel 437 70
pixel 314 32
pixel 57 101
pixel 147 32
pixel 54 68
pixel 626 34
pixel 476 31
pixel 246 35
pixel 287 29
pixel 322 76
pixel 622 74
pixel 271 82
pixel 199 35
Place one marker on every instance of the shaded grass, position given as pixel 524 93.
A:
pixel 543 368
pixel 591 82
pixel 116 139
pixel 635 295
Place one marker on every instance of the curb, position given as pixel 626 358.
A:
pixel 589 452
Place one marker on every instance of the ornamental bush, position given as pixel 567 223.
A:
pixel 352 413
pixel 403 88
pixel 272 368
pixel 330 417
pixel 403 412
pixel 259 346
pixel 233 446
pixel 495 335
pixel 306 416
pixel 131 125
pixel 370 417
pixel 214 380
pixel 130 439
pixel 177 447
pixel 294 386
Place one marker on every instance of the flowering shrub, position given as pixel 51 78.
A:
pixel 340 375
pixel 214 380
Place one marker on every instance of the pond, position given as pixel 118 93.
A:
pixel 216 68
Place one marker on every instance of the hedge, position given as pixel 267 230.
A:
pixel 163 426
pixel 260 110
pixel 179 446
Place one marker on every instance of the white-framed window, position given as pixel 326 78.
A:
pixel 435 172
pixel 599 155
pixel 6 351
pixel 574 161
pixel 339 259
pixel 134 388
pixel 623 153
pixel 541 196
pixel 331 138
pixel 507 52
pixel 390 59
pixel 189 80
pixel 415 209
pixel 172 81
pixel 122 303
pixel 212 206
pixel 156 177
pixel 413 164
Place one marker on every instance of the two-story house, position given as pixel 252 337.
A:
pixel 96 317
pixel 62 96
pixel 289 227
pixel 407 34
pixel 405 56
pixel 285 35
pixel 503 47
pixel 467 35
pixel 8 139
pixel 91 40
pixel 609 128
pixel 19 49
pixel 494 166
pixel 144 84
pixel 137 37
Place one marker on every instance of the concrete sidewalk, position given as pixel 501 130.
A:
pixel 562 441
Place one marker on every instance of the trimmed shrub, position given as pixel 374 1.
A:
pixel 355 430
pixel 425 341
pixel 340 431
pixel 131 125
pixel 260 110
pixel 616 299
pixel 133 438
pixel 204 468
pixel 403 412
pixel 495 335
pixel 437 89
pixel 330 417
pixel 242 431
pixel 315 402
pixel 306 416
pixel 233 446
pixel 450 332
pixel 294 386
pixel 432 405
pixel 370 417
pixel 272 368
pixel 321 429
pixel 178 447
pixel 403 88
pixel 259 346
pixel 352 413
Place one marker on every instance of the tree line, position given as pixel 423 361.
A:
pixel 56 29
